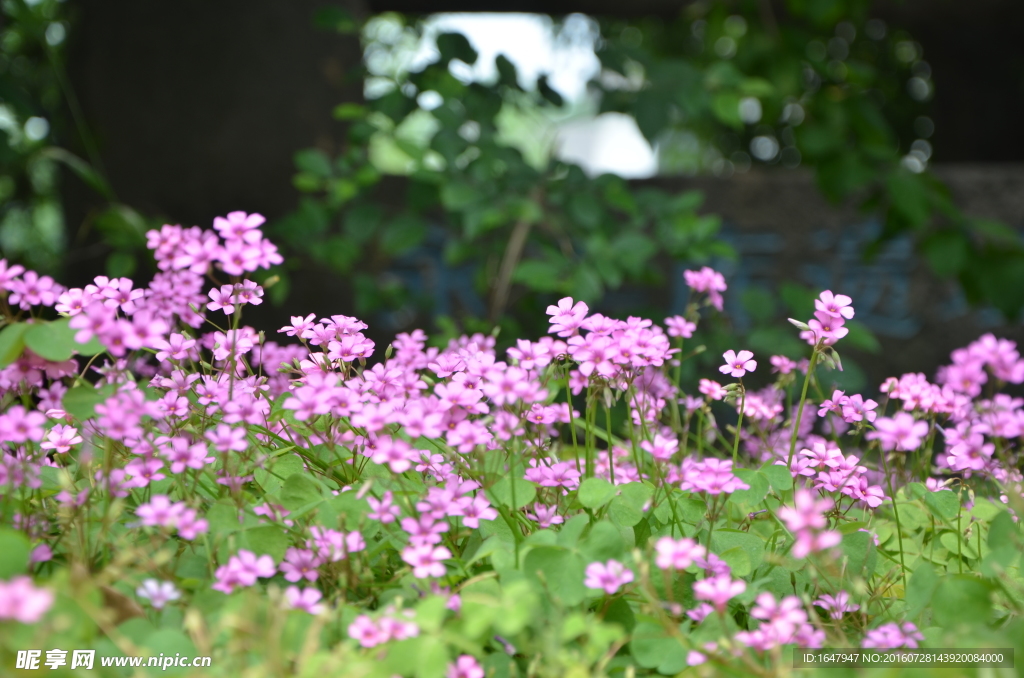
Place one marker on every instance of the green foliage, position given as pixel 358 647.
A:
pixel 725 86
pixel 535 227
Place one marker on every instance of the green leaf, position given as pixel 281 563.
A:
pixel 651 645
pixel 268 539
pixel 298 491
pixel 957 545
pixel 538 275
pixel 908 194
pixel 81 401
pixel 628 507
pixel 726 106
pixel 1002 530
pixel 572 529
pixel 80 167
pixel 501 492
pixel 859 549
pixel 585 211
pixel 519 607
pixel 726 538
pixel 506 72
pixel 403 234
pixel 455 46
pixel 350 507
pixel 432 658
pixel 862 338
pixel 947 252
pixel 457 196
pixel 53 341
pixel 282 468
pixel 945 504
pixel 12 342
pixel 170 643
pixel 313 161
pixel 549 94
pixel 961 600
pixel 920 588
pixel 778 476
pixel 758 483
pixel 594 493
pixel 91 347
pixel 603 543
pixel 691 509
pixel 620 612
pixel 560 570
pixel 14 553
pixel 335 18
pixel 349 111
pixel 738 560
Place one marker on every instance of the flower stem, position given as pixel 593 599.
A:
pixel 896 513
pixel 572 422
pixel 739 424
pixel 800 407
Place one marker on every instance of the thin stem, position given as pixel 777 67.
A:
pixel 608 428
pixel 572 420
pixel 739 424
pixel 800 407
pixel 896 513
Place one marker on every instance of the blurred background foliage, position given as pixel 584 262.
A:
pixel 442 167
pixel 479 172
pixel 40 119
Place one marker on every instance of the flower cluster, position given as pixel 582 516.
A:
pixel 831 311
pixel 331 479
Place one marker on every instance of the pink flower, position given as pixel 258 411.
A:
pixel 901 432
pixel 707 280
pixel 22 601
pixel 225 438
pixel 826 328
pixel 679 554
pixel 893 635
pixel 426 560
pixel 160 512
pixel 567 318
pixel 60 438
pixel 609 576
pixel 382 509
pixel 306 599
pixel 364 630
pixel 738 364
pixel 806 519
pixel 678 326
pixel 545 516
pixel 299 563
pixel 857 409
pixel 700 613
pixel 712 389
pixel 835 305
pixel 221 300
pixel 18 425
pixel 836 605
pixel 158 593
pixel 782 365
pixel 718 590
pixel 466 666
pixel 662 448
pixel 710 475
pixel 834 404
pixel 243 569
pixel 8 274
pixel 237 225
